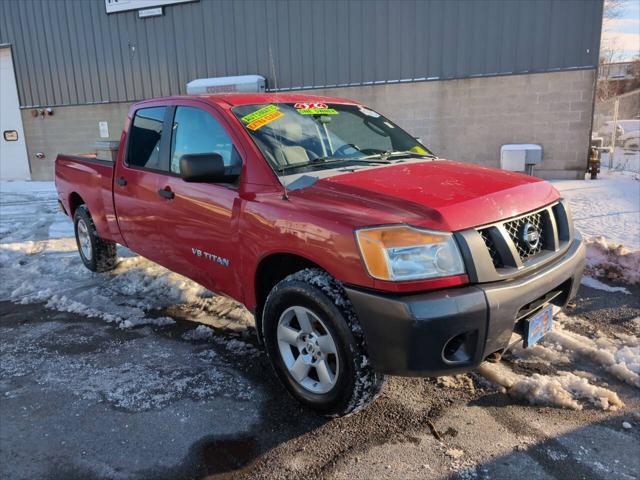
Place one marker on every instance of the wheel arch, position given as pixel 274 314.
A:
pixel 75 200
pixel 271 269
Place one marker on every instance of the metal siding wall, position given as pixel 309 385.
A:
pixel 71 52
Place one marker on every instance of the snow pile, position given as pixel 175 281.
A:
pixel 608 207
pixel 198 334
pixel 620 357
pixel 39 263
pixel 561 390
pixel 541 353
pixel 598 285
pixel 614 262
pixel 42 272
pixel 564 390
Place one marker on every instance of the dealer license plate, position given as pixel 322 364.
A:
pixel 539 325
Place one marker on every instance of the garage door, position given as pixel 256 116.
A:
pixel 14 164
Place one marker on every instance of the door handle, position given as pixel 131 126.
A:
pixel 166 193
pixel 121 181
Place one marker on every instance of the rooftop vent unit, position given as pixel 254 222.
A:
pixel 242 84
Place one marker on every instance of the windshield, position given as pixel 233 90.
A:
pixel 298 137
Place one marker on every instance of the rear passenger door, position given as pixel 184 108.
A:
pixel 137 179
pixel 201 218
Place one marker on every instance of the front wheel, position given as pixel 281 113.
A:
pixel 98 255
pixel 316 345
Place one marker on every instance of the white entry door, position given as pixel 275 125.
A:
pixel 14 163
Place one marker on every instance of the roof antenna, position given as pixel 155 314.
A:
pixel 285 195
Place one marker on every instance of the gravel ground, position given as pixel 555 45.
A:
pixel 81 398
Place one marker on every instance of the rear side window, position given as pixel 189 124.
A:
pixel 195 131
pixel 144 138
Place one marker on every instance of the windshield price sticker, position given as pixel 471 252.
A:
pixel 261 117
pixel 314 108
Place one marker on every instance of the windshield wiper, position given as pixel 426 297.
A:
pixel 329 160
pixel 397 154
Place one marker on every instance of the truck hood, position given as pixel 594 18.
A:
pixel 441 195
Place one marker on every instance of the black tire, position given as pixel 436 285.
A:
pixel 356 383
pixel 102 256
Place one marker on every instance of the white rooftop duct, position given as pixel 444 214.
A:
pixel 241 83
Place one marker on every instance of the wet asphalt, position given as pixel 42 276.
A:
pixel 83 399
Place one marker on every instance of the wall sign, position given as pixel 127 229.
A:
pixel 104 129
pixel 150 12
pixel 115 6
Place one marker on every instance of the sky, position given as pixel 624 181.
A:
pixel 623 34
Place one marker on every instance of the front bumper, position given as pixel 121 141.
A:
pixel 454 330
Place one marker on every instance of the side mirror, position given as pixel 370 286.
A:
pixel 206 168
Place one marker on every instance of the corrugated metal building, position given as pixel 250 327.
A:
pixel 482 73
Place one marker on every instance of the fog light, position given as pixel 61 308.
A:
pixel 460 348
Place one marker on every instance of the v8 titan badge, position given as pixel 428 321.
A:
pixel 314 108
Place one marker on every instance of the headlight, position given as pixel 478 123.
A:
pixel 405 253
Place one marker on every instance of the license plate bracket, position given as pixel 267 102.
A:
pixel 538 326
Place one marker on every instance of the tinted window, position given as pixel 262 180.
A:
pixel 144 141
pixel 195 131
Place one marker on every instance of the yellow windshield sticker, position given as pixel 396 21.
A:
pixel 314 108
pixel 419 149
pixel 261 117
pixel 259 113
pixel 318 111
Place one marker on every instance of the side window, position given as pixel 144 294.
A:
pixel 144 138
pixel 195 131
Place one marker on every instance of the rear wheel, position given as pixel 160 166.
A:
pixel 316 345
pixel 98 255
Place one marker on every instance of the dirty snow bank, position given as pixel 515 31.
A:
pixel 614 262
pixel 618 356
pixel 598 285
pixel 561 390
pixel 564 349
pixel 606 211
pixel 39 263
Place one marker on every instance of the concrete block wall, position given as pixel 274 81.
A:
pixel 470 119
pixel 467 120
pixel 69 130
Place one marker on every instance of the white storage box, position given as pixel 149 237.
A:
pixel 520 157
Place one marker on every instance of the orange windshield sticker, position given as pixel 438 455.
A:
pixel 262 121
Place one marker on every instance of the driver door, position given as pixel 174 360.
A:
pixel 201 218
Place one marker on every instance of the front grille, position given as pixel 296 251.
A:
pixel 516 230
pixel 493 251
pixel 509 245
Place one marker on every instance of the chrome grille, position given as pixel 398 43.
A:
pixel 515 229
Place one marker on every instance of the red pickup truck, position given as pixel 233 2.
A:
pixel 359 252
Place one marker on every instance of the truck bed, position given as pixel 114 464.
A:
pixel 85 179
